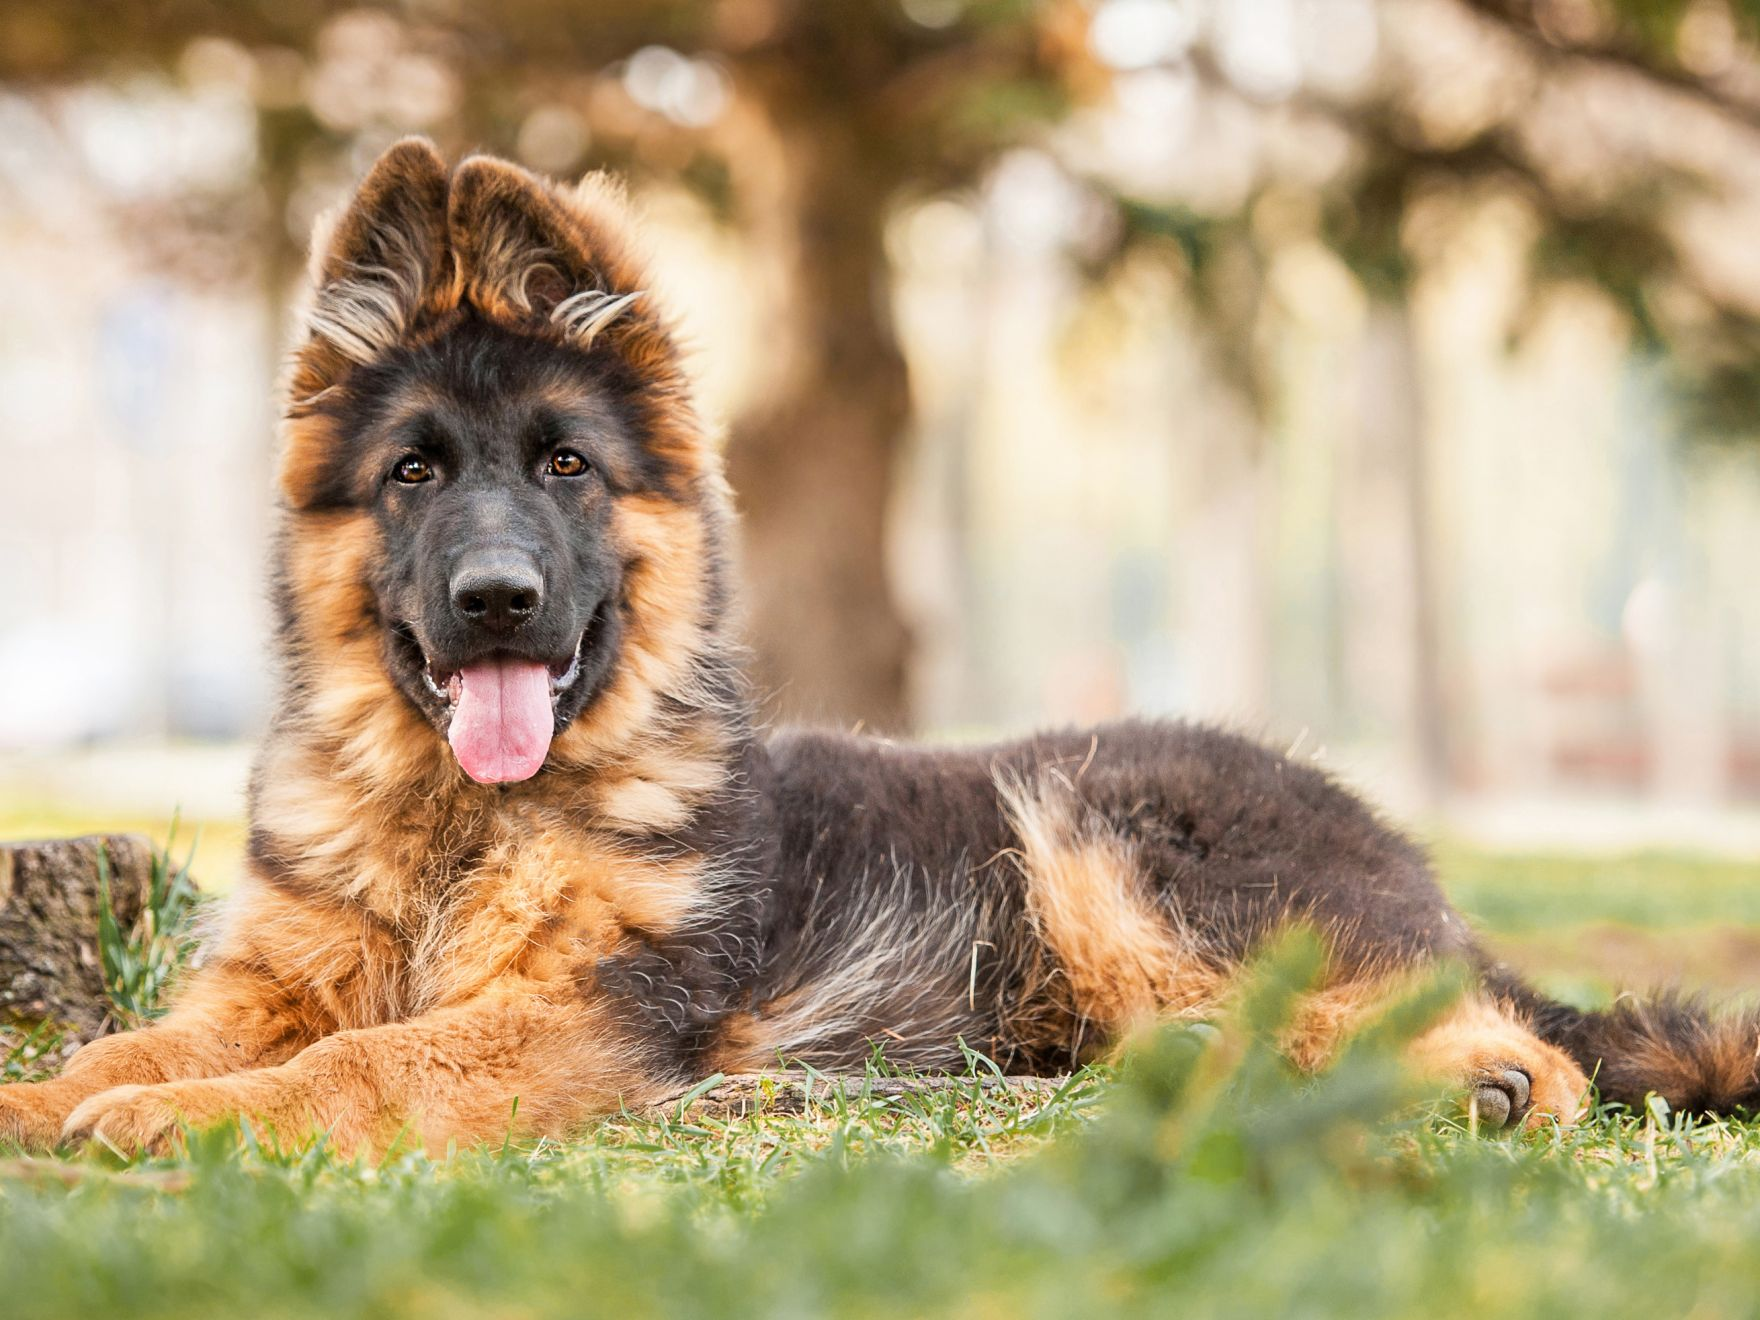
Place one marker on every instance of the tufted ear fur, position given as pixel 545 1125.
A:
pixel 380 260
pixel 415 248
pixel 529 252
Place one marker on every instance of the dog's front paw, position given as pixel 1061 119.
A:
pixel 139 1119
pixel 31 1115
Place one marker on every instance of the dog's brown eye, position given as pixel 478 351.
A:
pixel 412 470
pixel 567 463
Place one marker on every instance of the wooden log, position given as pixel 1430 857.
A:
pixel 742 1095
pixel 50 970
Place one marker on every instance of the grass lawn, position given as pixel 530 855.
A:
pixel 1198 1178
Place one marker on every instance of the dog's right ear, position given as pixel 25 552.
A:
pixel 378 261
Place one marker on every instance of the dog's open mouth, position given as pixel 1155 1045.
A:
pixel 448 687
pixel 502 712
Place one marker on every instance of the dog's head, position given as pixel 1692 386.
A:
pixel 500 500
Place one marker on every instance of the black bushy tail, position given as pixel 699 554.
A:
pixel 1699 1059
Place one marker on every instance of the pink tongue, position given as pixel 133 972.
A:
pixel 502 724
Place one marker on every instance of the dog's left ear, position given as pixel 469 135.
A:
pixel 381 259
pixel 527 252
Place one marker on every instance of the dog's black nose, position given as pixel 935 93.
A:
pixel 498 593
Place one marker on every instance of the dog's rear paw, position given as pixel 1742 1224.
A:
pixel 1509 1076
pixel 1500 1099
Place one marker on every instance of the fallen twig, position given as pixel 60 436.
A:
pixel 740 1095
pixel 62 1173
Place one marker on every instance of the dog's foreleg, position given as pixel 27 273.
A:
pixel 227 1018
pixel 513 1060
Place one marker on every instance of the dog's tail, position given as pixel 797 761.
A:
pixel 1698 1058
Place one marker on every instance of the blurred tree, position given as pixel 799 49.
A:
pixel 837 110
pixel 1601 124
pixel 834 112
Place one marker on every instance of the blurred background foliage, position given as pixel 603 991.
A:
pixel 1272 172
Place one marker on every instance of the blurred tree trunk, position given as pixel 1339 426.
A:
pixel 1398 584
pixel 1227 586
pixel 813 463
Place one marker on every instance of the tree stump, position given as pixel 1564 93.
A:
pixel 50 971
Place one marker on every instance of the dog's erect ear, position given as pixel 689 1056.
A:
pixel 527 253
pixel 383 255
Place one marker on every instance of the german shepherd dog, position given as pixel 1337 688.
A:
pixel 519 854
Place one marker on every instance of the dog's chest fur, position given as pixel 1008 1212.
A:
pixel 454 893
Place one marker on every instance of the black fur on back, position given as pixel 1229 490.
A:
pixel 890 866
pixel 881 880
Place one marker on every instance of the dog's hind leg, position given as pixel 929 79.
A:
pixel 1126 955
pixel 1510 1076
pixel 1505 1073
pixel 1124 960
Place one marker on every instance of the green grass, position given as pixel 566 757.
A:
pixel 140 963
pixel 1519 894
pixel 1201 1178
pixel 1584 928
pixel 24 1052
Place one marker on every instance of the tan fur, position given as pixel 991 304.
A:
pixel 1126 963
pixel 223 1023
pixel 1475 1040
pixel 665 589
pixel 1721 1061
pixel 514 1059
pixel 1329 1016
pixel 745 1044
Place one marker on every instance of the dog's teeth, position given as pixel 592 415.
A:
pixel 446 692
pixel 561 682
